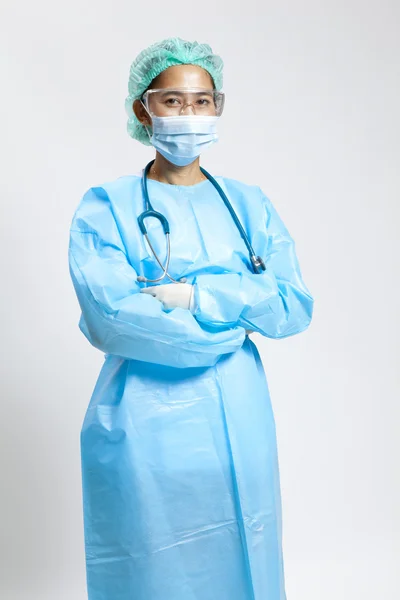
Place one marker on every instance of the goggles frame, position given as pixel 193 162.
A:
pixel 218 99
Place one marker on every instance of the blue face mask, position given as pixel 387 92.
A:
pixel 181 139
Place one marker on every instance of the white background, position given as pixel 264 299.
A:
pixel 312 117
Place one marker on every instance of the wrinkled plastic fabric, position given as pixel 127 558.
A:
pixel 180 475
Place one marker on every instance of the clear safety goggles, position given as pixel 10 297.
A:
pixel 175 101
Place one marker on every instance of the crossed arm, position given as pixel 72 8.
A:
pixel 117 319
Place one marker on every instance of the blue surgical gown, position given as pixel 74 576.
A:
pixel 181 489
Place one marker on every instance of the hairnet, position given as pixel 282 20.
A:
pixel 155 59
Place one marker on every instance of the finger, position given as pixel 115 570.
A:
pixel 150 290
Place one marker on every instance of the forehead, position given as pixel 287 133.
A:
pixel 183 76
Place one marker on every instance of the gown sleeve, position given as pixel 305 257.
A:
pixel 116 318
pixel 275 303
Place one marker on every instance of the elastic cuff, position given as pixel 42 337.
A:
pixel 191 300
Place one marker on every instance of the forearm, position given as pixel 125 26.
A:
pixel 260 302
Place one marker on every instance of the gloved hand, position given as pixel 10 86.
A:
pixel 173 295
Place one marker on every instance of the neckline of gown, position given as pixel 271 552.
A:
pixel 177 186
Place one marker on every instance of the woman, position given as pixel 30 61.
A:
pixel 179 460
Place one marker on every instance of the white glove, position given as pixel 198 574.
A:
pixel 173 295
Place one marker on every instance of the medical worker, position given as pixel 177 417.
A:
pixel 173 270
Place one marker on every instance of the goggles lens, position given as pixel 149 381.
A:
pixel 183 101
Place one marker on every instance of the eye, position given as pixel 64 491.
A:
pixel 172 101
pixel 204 101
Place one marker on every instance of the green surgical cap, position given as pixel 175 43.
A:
pixel 155 59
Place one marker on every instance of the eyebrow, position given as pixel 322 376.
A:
pixel 181 93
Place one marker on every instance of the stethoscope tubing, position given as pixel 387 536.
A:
pixel 256 261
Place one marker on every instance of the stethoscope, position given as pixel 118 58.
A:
pixel 256 261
